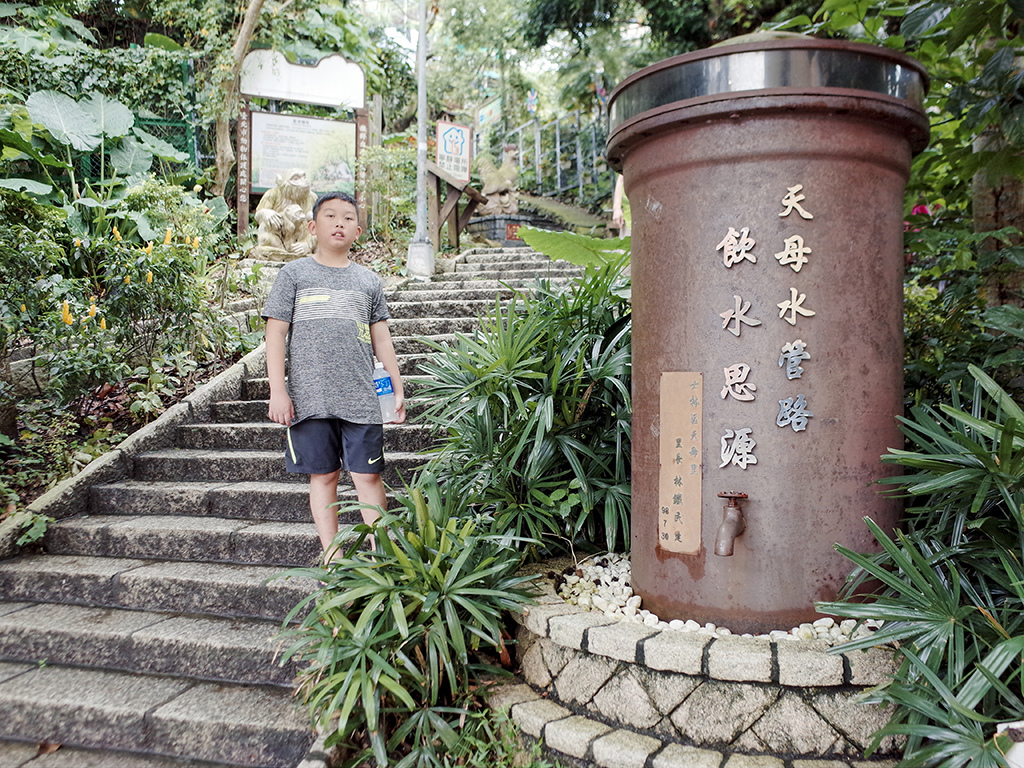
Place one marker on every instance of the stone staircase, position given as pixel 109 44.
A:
pixel 144 635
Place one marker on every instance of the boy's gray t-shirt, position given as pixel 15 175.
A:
pixel 330 357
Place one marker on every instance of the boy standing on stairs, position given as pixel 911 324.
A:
pixel 335 312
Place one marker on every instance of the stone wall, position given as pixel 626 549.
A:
pixel 698 698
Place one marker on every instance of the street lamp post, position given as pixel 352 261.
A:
pixel 421 251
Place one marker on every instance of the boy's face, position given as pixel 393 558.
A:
pixel 336 226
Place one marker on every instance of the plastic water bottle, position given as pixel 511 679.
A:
pixel 385 392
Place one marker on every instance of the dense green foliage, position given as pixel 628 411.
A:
pixel 950 589
pixel 534 410
pixel 396 640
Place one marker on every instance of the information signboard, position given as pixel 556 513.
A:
pixel 454 149
pixel 325 149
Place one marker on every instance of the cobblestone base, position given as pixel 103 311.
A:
pixel 601 692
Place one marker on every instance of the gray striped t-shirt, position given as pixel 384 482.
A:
pixel 330 358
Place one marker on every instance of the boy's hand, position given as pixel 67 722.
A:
pixel 399 411
pixel 281 409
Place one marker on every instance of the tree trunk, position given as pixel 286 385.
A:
pixel 225 158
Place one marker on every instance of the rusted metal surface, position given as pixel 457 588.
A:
pixel 799 426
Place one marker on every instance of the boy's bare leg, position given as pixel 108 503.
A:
pixel 323 495
pixel 370 492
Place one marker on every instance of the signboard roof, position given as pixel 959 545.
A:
pixel 332 82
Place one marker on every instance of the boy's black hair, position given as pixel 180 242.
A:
pixel 345 197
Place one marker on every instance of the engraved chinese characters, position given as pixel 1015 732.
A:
pixel 737 441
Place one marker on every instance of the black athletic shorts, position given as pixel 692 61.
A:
pixel 319 446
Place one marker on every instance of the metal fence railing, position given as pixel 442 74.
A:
pixel 563 156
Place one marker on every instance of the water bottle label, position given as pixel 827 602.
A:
pixel 383 386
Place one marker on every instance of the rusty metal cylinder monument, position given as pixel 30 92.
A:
pixel 766 183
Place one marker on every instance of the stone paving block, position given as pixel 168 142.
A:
pixel 232 724
pixel 753 761
pixel 81 758
pixel 666 729
pixel 806 664
pixel 624 700
pixel 583 677
pixel 667 691
pixel 716 713
pixel 791 727
pixel 535 670
pixel 619 640
pixel 874 763
pixel 624 749
pixel 872 666
pixel 535 617
pixel 682 756
pixel 16 754
pixel 820 764
pixel 740 658
pixel 10 669
pixel 556 656
pixel 533 716
pixel 573 735
pixel 568 630
pixel 675 651
pixel 6 608
pixel 504 697
pixel 855 720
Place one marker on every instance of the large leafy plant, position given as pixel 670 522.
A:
pixel 396 640
pixel 950 589
pixel 534 410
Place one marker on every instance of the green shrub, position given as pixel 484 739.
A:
pixel 535 413
pixel 395 641
pixel 951 588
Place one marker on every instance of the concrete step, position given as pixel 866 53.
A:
pixel 429 326
pixel 513 266
pixel 186 465
pixel 258 390
pixel 20 754
pixel 267 436
pixel 216 589
pixel 240 725
pixel 144 642
pixel 499 256
pixel 253 500
pixel 454 307
pixel 419 344
pixel 450 287
pixel 196 539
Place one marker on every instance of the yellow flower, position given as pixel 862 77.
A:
pixel 167 237
pixel 127 279
pixel 65 314
pixel 117 235
pixel 149 277
pixel 92 310
pixel 195 243
pixel 78 242
pixel 149 248
pixel 197 188
pixel 103 323
pixel 24 308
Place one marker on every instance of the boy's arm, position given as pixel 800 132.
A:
pixel 281 409
pixel 384 350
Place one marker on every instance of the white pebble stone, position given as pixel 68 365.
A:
pixel 651 620
pixel 691 625
pixel 662 625
pixel 634 601
pixel 677 624
pixel 629 611
pixel 804 633
pixel 825 621
pixel 723 631
pixel 710 627
pixel 584 601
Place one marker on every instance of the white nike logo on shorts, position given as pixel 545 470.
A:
pixel 374 461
